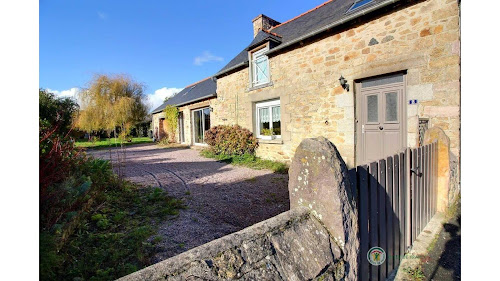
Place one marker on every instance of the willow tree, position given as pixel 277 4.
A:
pixel 110 102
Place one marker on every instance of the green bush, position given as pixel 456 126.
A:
pixel 165 141
pixel 231 140
pixel 171 115
pixel 113 239
pixel 93 225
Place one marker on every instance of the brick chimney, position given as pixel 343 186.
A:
pixel 262 22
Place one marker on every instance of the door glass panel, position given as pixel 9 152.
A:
pixel 263 119
pixel 391 107
pixel 198 127
pixel 379 81
pixel 206 118
pixel 372 108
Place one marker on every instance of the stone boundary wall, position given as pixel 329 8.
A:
pixel 294 245
pixel 454 191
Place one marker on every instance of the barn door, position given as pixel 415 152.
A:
pixel 382 117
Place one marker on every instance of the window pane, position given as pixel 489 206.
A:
pixel 206 116
pixel 276 115
pixel 277 128
pixel 359 4
pixel 372 108
pixel 263 119
pixel 261 70
pixel 391 107
pixel 198 128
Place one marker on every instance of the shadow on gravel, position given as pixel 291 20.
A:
pixel 445 261
pixel 216 209
pixel 220 198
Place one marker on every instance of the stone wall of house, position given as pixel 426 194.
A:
pixel 156 121
pixel 422 38
pixel 186 110
pixel 188 128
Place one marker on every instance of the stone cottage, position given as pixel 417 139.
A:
pixel 194 118
pixel 369 75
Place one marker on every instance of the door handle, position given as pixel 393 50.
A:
pixel 380 127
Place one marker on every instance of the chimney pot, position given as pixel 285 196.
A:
pixel 263 22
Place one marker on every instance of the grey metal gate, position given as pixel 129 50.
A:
pixel 396 199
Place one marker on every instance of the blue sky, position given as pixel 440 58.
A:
pixel 164 44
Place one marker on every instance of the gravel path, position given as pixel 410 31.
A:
pixel 220 198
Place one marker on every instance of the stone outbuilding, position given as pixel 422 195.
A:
pixel 193 103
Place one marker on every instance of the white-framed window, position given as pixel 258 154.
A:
pixel 268 117
pixel 260 68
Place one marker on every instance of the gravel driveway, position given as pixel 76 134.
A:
pixel 220 198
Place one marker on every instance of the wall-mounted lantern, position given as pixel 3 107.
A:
pixel 211 109
pixel 343 83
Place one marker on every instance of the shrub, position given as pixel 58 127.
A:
pixel 164 141
pixel 55 110
pixel 171 115
pixel 231 140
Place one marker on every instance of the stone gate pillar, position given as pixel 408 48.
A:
pixel 319 180
pixel 436 134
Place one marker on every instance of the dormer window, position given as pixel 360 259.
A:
pixel 260 67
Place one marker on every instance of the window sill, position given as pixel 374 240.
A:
pixel 260 86
pixel 275 141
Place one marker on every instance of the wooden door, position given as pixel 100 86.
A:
pixel 381 117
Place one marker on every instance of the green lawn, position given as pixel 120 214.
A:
pixel 111 142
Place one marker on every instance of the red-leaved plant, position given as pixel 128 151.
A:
pixel 231 140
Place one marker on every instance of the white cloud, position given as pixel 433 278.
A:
pixel 153 100
pixel 206 57
pixel 159 96
pixel 65 93
pixel 71 93
pixel 102 15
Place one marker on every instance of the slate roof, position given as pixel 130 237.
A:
pixel 303 26
pixel 200 90
pixel 263 36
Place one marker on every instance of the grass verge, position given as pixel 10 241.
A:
pixel 112 239
pixel 454 209
pixel 247 160
pixel 171 145
pixel 416 274
pixel 109 142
